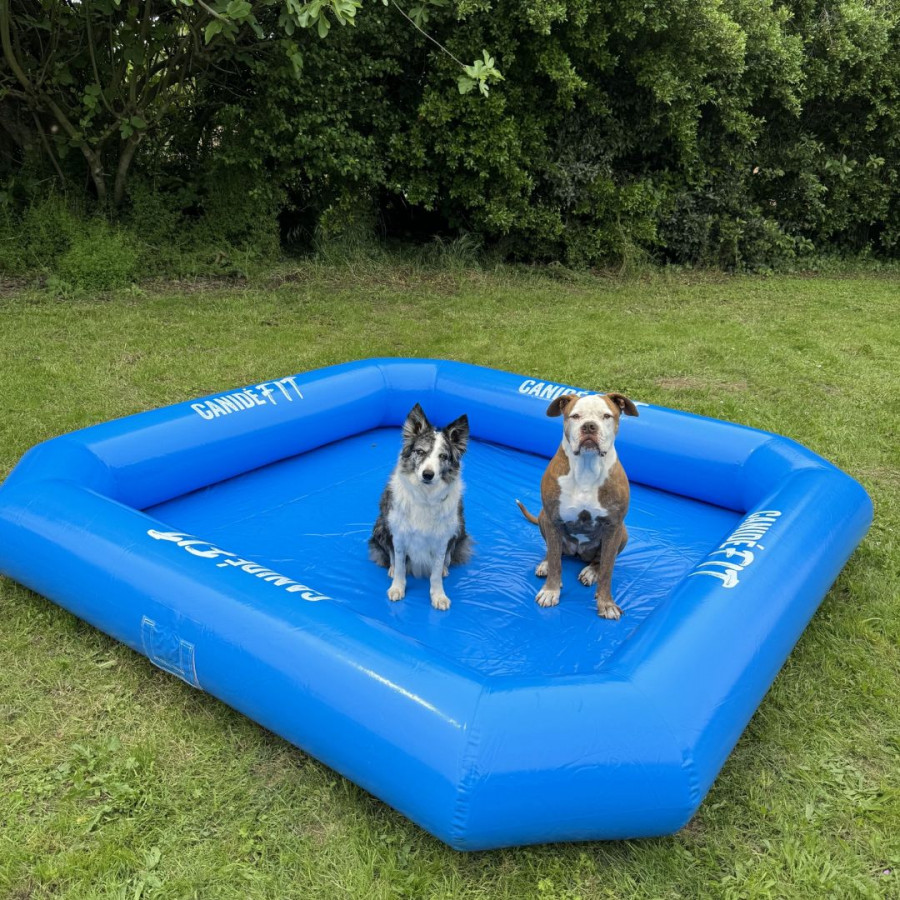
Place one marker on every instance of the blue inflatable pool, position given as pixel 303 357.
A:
pixel 225 538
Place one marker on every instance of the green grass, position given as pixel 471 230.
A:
pixel 117 780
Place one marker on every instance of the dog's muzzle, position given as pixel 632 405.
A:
pixel 589 443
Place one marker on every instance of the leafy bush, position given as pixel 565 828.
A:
pixel 35 237
pixel 224 226
pixel 737 133
pixel 239 213
pixel 47 230
pixel 12 260
pixel 99 258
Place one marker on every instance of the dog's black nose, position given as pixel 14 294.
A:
pixel 589 428
pixel 427 475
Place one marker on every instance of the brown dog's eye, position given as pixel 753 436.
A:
pixel 575 416
pixel 607 415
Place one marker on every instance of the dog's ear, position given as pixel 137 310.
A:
pixel 458 433
pixel 416 423
pixel 624 404
pixel 558 406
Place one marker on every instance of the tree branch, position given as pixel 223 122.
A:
pixel 48 149
pixel 8 52
pixel 90 34
pixel 427 35
pixel 20 135
pixel 13 62
pixel 212 12
pixel 125 159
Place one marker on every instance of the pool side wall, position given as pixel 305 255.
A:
pixel 480 763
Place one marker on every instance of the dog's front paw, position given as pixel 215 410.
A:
pixel 608 610
pixel 588 576
pixel 396 592
pixel 440 601
pixel 541 569
pixel 547 598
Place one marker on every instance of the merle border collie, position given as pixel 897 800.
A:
pixel 421 529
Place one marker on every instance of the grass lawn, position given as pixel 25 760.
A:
pixel 117 780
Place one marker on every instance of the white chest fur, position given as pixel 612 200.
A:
pixel 578 489
pixel 423 519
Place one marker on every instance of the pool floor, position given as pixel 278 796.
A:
pixel 309 518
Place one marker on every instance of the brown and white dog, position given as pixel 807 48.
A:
pixel 585 495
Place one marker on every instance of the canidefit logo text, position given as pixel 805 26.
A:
pixel 740 550
pixel 544 390
pixel 548 391
pixel 206 550
pixel 267 393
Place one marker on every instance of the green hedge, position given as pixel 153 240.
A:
pixel 737 133
pixel 734 133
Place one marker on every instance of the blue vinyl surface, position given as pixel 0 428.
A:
pixel 310 517
pixel 225 539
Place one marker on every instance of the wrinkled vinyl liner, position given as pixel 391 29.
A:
pixel 310 517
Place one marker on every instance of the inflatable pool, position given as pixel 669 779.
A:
pixel 225 539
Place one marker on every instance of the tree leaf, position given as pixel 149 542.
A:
pixel 212 29
pixel 238 9
pixel 419 15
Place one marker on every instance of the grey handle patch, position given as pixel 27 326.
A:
pixel 165 649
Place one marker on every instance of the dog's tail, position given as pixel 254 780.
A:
pixel 528 515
